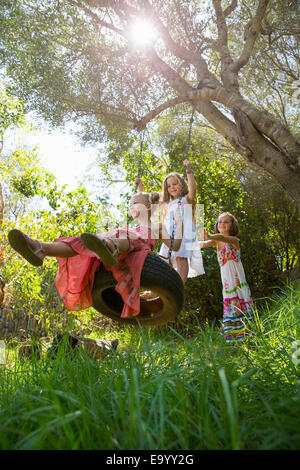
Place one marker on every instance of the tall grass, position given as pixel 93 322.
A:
pixel 161 390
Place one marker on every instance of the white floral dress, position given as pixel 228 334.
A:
pixel 237 300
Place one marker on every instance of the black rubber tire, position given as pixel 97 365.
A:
pixel 157 276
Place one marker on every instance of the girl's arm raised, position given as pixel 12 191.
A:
pixel 191 195
pixel 139 185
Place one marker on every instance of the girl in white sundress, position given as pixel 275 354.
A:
pixel 188 259
pixel 237 301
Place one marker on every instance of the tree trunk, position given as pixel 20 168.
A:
pixel 264 153
pixel 1 205
pixel 249 142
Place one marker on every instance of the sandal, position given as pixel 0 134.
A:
pixel 18 241
pixel 99 245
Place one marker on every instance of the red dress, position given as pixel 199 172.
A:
pixel 75 278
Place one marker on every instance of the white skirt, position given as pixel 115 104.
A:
pixel 194 256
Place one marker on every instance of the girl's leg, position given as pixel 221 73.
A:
pixel 56 249
pixel 35 251
pixel 63 250
pixel 182 268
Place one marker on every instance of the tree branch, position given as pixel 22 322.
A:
pixel 230 8
pixel 177 49
pixel 273 129
pixel 222 30
pixel 95 17
pixel 141 124
pixel 251 32
pixel 228 78
pixel 88 108
pixel 223 126
pixel 208 88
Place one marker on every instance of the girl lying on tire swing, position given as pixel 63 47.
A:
pixel 122 251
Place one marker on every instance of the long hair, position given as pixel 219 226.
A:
pixel 234 228
pixel 166 197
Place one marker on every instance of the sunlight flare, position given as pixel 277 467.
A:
pixel 142 33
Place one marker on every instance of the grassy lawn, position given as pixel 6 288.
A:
pixel 160 390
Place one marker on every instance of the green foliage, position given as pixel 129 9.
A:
pixel 277 218
pixel 146 163
pixel 33 289
pixel 11 111
pixel 69 214
pixel 161 391
pixel 69 64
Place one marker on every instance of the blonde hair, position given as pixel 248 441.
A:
pixel 165 194
pixel 234 228
pixel 166 197
pixel 151 198
pixel 148 198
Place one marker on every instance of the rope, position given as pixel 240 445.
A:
pixel 139 173
pixel 189 135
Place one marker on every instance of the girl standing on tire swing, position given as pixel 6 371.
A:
pixel 177 193
pixel 122 251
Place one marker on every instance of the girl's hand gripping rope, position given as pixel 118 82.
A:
pixel 187 165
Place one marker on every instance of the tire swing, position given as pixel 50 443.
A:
pixel 157 276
